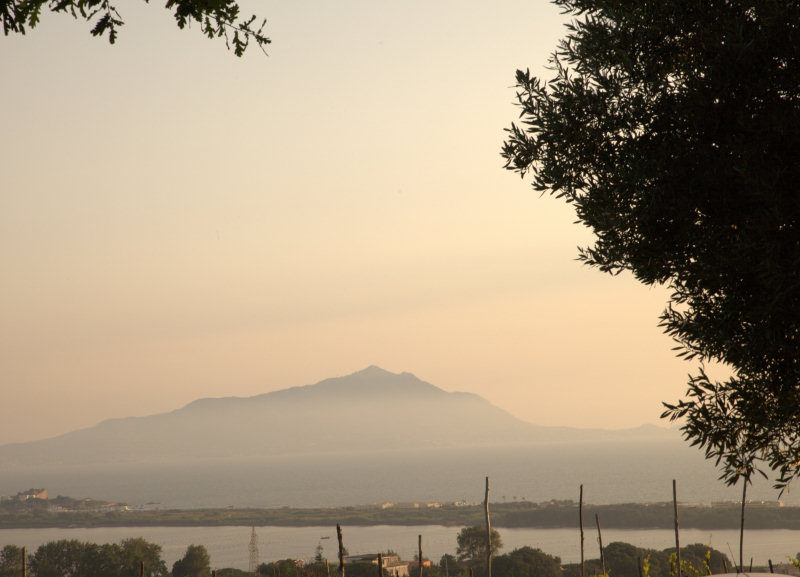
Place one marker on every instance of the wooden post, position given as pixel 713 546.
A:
pixel 488 532
pixel 771 569
pixel 741 528
pixel 724 566
pixel 24 562
pixel 600 538
pixel 380 565
pixel 677 538
pixel 751 564
pixel 420 556
pixel 341 550
pixel 580 522
pixel 327 568
pixel 141 569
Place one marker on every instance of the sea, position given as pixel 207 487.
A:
pixel 611 472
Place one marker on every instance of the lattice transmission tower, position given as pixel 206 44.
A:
pixel 253 549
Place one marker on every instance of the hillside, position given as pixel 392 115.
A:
pixel 369 410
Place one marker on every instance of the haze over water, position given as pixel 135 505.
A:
pixel 611 472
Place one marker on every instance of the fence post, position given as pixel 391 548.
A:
pixel 341 549
pixel 580 522
pixel 600 538
pixel 677 539
pixel 420 556
pixel 488 532
pixel 741 528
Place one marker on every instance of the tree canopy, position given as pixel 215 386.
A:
pixel 194 563
pixel 135 551
pixel 528 562
pixel 673 128
pixel 68 558
pixel 471 542
pixel 10 561
pixel 216 18
pixel 626 560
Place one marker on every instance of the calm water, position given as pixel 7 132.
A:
pixel 610 472
pixel 228 545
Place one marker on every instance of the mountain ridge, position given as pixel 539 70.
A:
pixel 372 409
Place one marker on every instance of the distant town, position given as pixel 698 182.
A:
pixel 37 498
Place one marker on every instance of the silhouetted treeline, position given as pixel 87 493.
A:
pixel 72 558
pixel 624 559
pixel 290 568
pixel 128 558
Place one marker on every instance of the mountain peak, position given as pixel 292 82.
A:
pixel 374 371
pixel 371 381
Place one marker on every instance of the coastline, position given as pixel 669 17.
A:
pixel 550 515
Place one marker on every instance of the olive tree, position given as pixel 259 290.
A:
pixel 673 128
pixel 215 18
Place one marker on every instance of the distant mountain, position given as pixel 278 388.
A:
pixel 371 410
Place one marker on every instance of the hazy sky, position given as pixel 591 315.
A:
pixel 178 223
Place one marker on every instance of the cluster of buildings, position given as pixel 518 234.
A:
pixel 416 505
pixel 391 563
pixel 27 495
pixel 59 504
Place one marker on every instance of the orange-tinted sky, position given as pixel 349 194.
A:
pixel 177 223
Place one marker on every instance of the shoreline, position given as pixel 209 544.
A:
pixel 550 515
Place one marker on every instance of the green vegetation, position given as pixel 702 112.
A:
pixel 78 559
pixel 290 568
pixel 624 559
pixel 72 558
pixel 655 516
pixel 672 129
pixel 231 572
pixel 217 19
pixel 195 563
pixel 471 543
pixel 524 514
pixel 10 561
pixel 527 562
